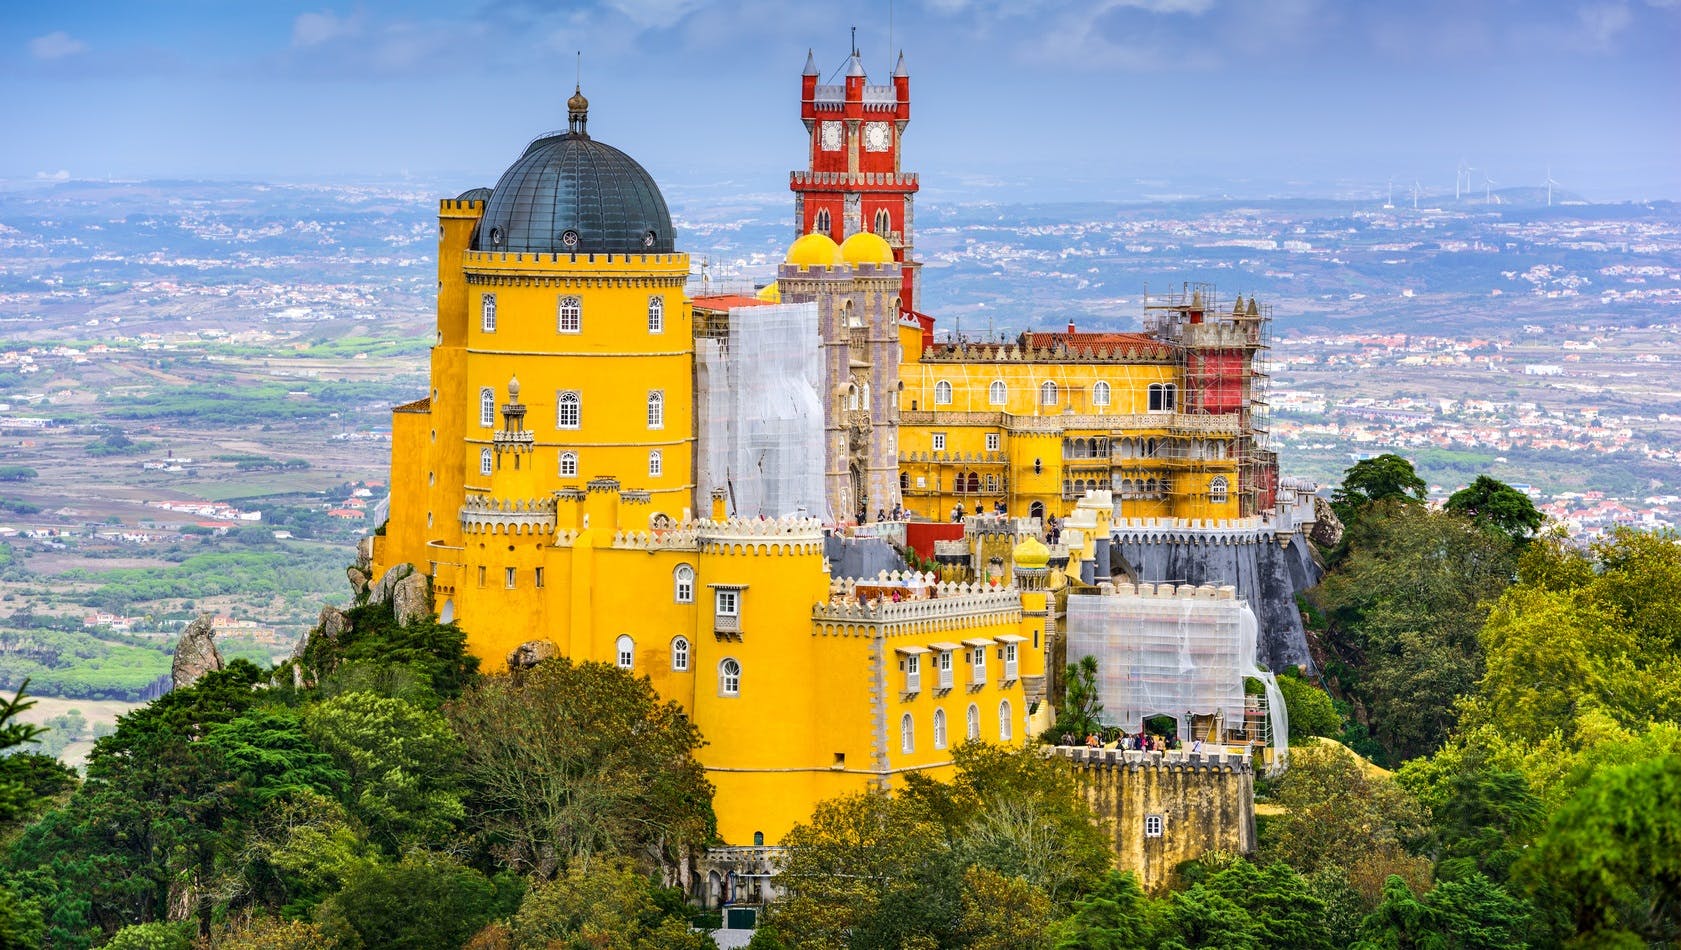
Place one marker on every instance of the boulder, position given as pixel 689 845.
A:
pixel 365 554
pixel 1327 527
pixel 358 581
pixel 381 592
pixel 529 654
pixel 195 653
pixel 409 600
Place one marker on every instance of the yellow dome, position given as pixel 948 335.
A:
pixel 814 250
pixel 1031 554
pixel 770 293
pixel 866 248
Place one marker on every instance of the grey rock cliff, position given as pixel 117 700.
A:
pixel 195 653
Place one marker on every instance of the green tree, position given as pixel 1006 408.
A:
pixel 1115 915
pixel 1611 855
pixel 158 935
pixel 571 760
pixel 866 864
pixel 1387 477
pixel 1002 913
pixel 1285 911
pixel 1019 813
pixel 1406 607
pixel 1336 811
pixel 1498 506
pixel 1473 914
pixel 424 902
pixel 602 905
pixel 1310 709
pixel 1081 706
pixel 401 762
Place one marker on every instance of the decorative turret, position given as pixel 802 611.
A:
pixel 577 112
pixel 1032 563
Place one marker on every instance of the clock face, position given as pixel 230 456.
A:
pixel 877 136
pixel 831 135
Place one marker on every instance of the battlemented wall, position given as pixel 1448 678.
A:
pixel 1205 802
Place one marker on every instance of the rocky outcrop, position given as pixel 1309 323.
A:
pixel 195 653
pixel 409 600
pixel 1327 527
pixel 381 592
pixel 358 582
pixel 529 654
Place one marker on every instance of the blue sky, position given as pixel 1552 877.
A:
pixel 1011 98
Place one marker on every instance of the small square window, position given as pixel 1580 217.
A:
pixel 481 575
pixel 938 440
pixel 729 603
pixel 992 441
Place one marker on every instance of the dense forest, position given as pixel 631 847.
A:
pixel 1512 704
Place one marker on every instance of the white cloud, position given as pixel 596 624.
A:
pixel 1602 22
pixel 655 13
pixel 313 29
pixel 56 45
pixel 60 175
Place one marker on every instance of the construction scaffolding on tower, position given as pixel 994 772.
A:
pixel 1223 360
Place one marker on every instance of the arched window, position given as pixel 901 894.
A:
pixel 484 462
pixel 1047 394
pixel 907 734
pixel 973 730
pixel 680 654
pixel 884 222
pixel 656 314
pixel 1217 489
pixel 656 464
pixel 972 484
pixel 568 465
pixel 656 409
pixel 820 224
pixel 683 584
pixel 1162 397
pixel 624 651
pixel 487 313
pixel 1100 394
pixel 729 678
pixel 487 407
pixel 939 728
pixel 1004 723
pixel 568 411
pixel 571 318
pixel 996 394
pixel 904 481
pixel 942 393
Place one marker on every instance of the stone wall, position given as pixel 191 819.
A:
pixel 1268 568
pixel 1205 802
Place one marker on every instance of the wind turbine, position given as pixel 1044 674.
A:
pixel 1463 171
pixel 1390 204
pixel 1415 194
pixel 1550 184
pixel 1487 194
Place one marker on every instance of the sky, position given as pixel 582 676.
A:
pixel 1011 99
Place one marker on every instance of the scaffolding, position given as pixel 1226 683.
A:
pixel 761 430
pixel 1182 652
pixel 1223 361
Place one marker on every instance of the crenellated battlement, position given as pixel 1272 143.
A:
pixel 1195 531
pixel 1061 353
pixel 933 606
pixel 1215 758
pixel 526 516
pixel 1163 591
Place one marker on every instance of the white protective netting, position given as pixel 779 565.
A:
pixel 762 432
pixel 1163 651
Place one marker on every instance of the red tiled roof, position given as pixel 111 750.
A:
pixel 1081 341
pixel 423 404
pixel 728 302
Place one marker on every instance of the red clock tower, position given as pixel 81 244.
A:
pixel 853 182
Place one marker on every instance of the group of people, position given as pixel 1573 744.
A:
pixel 1119 739
pixel 957 511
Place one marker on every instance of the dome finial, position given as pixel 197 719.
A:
pixel 577 107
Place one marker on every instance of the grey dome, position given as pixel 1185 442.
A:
pixel 569 194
